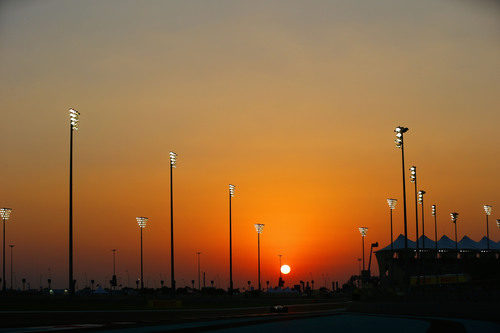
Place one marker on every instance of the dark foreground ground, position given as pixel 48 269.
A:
pixel 243 314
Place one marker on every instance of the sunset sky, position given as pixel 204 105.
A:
pixel 294 102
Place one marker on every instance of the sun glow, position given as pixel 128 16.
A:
pixel 285 269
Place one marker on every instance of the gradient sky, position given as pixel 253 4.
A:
pixel 294 102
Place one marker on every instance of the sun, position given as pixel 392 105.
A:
pixel 285 269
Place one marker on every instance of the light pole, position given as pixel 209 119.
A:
pixel 259 228
pixel 454 217
pixel 413 179
pixel 421 202
pixel 5 213
pixel 231 195
pixel 142 221
pixel 487 210
pixel 434 213
pixel 74 118
pixel 114 282
pixel 392 205
pixel 173 162
pixel 363 231
pixel 199 275
pixel 11 266
pixel 400 131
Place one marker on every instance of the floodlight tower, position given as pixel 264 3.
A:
pixel 231 195
pixel 392 205
pixel 454 218
pixel 400 131
pixel 74 118
pixel 259 228
pixel 421 202
pixel 413 179
pixel 434 213
pixel 142 221
pixel 487 210
pixel 363 231
pixel 5 214
pixel 173 162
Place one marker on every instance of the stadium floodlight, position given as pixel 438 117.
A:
pixel 400 131
pixel 259 227
pixel 231 195
pixel 5 214
pixel 413 174
pixel 454 218
pixel 74 119
pixel 498 223
pixel 142 221
pixel 363 231
pixel 434 213
pixel 173 163
pixel 392 205
pixel 173 159
pixel 421 202
pixel 487 210
pixel 421 197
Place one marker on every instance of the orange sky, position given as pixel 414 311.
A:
pixel 293 102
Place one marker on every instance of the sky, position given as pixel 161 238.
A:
pixel 294 102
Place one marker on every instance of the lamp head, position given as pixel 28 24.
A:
pixel 74 118
pixel 421 197
pixel 392 203
pixel 433 210
pixel 498 223
pixel 454 217
pixel 142 221
pixel 413 174
pixel 173 159
pixel 259 227
pixel 400 130
pixel 487 209
pixel 5 213
pixel 231 190
pixel 363 231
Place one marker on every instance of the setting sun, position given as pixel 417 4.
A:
pixel 285 269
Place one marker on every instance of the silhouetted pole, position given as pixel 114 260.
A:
pixel 199 272
pixel 421 202
pixel 400 130
pixel 73 126
pixel 141 221
pixel 173 160
pixel 434 213
pixel 454 217
pixel 259 228
pixel 279 255
pixel 487 210
pixel 5 214
pixel 363 231
pixel 392 205
pixel 11 267
pixel 231 194
pixel 413 179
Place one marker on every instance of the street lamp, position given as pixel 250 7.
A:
pixel 413 179
pixel 421 202
pixel 400 131
pixel 454 217
pixel 392 205
pixel 259 228
pixel 142 221
pixel 74 118
pixel 487 210
pixel 363 231
pixel 5 214
pixel 173 162
pixel 231 195
pixel 11 266
pixel 434 213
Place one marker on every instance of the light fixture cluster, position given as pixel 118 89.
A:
pixel 363 231
pixel 5 213
pixel 392 203
pixel 259 227
pixel 231 190
pixel 413 174
pixel 74 117
pixel 454 217
pixel 433 210
pixel 142 221
pixel 421 196
pixel 173 159
pixel 487 209
pixel 400 130
pixel 498 223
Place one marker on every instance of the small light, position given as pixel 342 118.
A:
pixel 487 209
pixel 363 231
pixel 413 174
pixel 173 159
pixel 5 213
pixel 231 190
pixel 433 210
pixel 392 203
pixel 259 227
pixel 142 221
pixel 74 117
pixel 454 217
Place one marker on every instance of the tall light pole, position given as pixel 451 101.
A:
pixel 142 221
pixel 5 213
pixel 454 218
pixel 231 195
pixel 363 231
pixel 400 131
pixel 173 162
pixel 114 282
pixel 11 266
pixel 259 228
pixel 392 205
pixel 434 213
pixel 487 210
pixel 74 118
pixel 199 275
pixel 413 179
pixel 421 202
